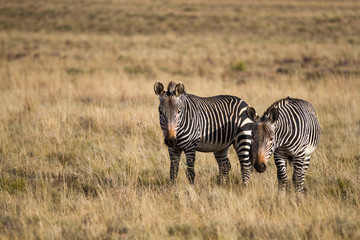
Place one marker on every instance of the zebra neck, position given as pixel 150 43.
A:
pixel 190 116
pixel 281 133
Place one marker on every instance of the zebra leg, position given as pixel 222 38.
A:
pixel 280 162
pixel 175 154
pixel 301 165
pixel 190 162
pixel 224 165
pixel 242 149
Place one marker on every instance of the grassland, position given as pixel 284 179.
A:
pixel 81 150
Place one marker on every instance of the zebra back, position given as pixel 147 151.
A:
pixel 215 120
pixel 297 124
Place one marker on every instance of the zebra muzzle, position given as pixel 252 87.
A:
pixel 170 142
pixel 260 167
pixel 260 164
pixel 170 137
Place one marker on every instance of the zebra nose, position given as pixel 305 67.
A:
pixel 170 142
pixel 260 167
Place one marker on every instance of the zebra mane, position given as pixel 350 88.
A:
pixel 171 87
pixel 277 104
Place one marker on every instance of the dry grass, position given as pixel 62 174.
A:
pixel 81 150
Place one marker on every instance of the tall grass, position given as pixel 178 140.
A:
pixel 81 150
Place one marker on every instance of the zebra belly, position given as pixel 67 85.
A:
pixel 208 147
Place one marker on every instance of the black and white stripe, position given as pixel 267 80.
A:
pixel 292 132
pixel 210 124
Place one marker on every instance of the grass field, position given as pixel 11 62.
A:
pixel 81 149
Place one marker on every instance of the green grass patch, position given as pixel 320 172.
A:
pixel 184 230
pixel 238 67
pixel 138 69
pixel 12 185
pixel 74 71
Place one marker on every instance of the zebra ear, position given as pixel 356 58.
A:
pixel 274 114
pixel 252 114
pixel 179 89
pixel 159 88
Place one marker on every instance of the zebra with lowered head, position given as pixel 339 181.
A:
pixel 191 123
pixel 290 130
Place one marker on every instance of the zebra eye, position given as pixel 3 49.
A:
pixel 271 138
pixel 178 111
